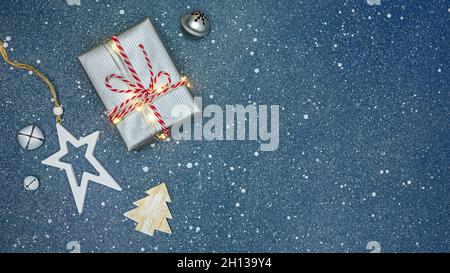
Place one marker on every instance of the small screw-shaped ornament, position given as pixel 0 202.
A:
pixel 31 183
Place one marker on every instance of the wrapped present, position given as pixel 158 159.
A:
pixel 139 85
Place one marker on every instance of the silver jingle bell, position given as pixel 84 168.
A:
pixel 196 23
pixel 30 137
pixel 31 183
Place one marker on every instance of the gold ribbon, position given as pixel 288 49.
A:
pixel 35 71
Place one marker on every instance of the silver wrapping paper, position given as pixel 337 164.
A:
pixel 136 129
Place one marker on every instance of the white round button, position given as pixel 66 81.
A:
pixel 31 183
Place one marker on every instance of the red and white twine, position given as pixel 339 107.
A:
pixel 142 96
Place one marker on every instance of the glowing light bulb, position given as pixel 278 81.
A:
pixel 161 89
pixel 161 136
pixel 152 117
pixel 114 46
pixel 188 84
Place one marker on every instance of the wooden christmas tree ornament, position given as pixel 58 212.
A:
pixel 151 213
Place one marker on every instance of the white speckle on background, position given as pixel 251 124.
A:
pixel 305 116
pixel 252 53
pixel 243 190
pixel 49 221
pixel 374 194
pixel 145 169
pixel 388 15
pixel 103 204
pixel 255 40
pixel 73 2
pixel 121 11
pixel 8 38
pixel 237 205
pixel 5 44
pixel 374 2
pixel 256 153
pixel 189 165
pixel 38 61
pixel 256 70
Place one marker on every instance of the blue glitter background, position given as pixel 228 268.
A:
pixel 371 162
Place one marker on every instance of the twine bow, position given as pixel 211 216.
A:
pixel 141 95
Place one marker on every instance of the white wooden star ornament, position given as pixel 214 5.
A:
pixel 30 140
pixel 103 177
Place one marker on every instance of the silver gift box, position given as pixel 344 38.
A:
pixel 136 128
